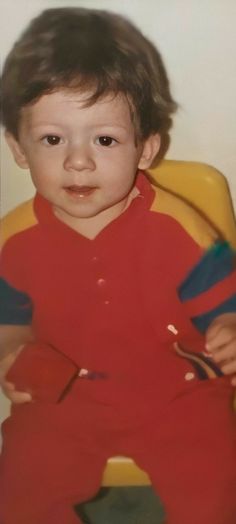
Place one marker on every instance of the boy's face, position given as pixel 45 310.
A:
pixel 83 160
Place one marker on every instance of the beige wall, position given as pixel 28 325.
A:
pixel 197 39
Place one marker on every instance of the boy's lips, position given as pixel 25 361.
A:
pixel 81 191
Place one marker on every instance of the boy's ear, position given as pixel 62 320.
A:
pixel 151 147
pixel 17 151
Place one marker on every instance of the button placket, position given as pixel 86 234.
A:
pixel 100 281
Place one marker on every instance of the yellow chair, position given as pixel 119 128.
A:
pixel 206 189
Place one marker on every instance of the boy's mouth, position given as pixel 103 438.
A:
pixel 80 191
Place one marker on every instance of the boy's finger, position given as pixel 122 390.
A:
pixel 233 380
pixel 224 323
pixel 229 368
pixel 17 397
pixel 20 398
pixel 7 386
pixel 226 353
pixel 222 337
pixel 212 331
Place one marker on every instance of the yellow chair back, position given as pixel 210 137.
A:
pixel 204 187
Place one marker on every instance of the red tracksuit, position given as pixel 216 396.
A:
pixel 112 305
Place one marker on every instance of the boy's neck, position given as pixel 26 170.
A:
pixel 92 226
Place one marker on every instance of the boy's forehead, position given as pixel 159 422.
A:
pixel 109 107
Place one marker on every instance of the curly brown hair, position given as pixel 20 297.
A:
pixel 89 50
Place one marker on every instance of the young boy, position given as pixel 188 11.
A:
pixel 120 281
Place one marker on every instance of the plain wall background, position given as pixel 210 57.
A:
pixel 197 39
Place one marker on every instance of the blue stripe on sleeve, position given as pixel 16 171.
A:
pixel 15 306
pixel 218 262
pixel 203 321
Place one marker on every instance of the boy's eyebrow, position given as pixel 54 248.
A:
pixel 97 124
pixel 120 126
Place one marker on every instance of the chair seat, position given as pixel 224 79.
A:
pixel 121 471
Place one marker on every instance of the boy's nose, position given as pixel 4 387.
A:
pixel 78 158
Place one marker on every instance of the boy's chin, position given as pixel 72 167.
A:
pixel 77 214
pixel 103 212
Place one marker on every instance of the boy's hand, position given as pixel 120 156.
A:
pixel 221 343
pixel 8 388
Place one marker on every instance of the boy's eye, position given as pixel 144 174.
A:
pixel 52 140
pixel 106 141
